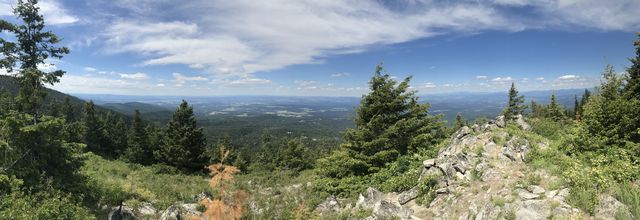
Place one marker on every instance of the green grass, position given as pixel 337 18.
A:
pixel 629 194
pixel 120 181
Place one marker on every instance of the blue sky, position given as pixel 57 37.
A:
pixel 242 47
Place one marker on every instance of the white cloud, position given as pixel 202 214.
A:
pixel 304 82
pixel 502 79
pixel 246 37
pixel 182 79
pixel 160 85
pixel 540 78
pixel 481 77
pixel 568 77
pixel 135 76
pixel 89 69
pixel 429 85
pixel 53 12
pixel 338 75
pixel 250 81
pixel 47 67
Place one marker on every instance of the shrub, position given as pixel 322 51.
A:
pixel 585 198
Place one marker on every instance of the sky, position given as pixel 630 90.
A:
pixel 331 48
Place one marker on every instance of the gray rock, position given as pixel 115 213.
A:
pixel 522 123
pixel 501 122
pixel 551 194
pixel 488 127
pixel 122 213
pixel 536 189
pixel 408 195
pixel 442 190
pixel 370 199
pixel 387 210
pixel 516 149
pixel 147 209
pixel 534 209
pixel 329 205
pixel 180 211
pixel 429 163
pixel 609 207
pixel 526 195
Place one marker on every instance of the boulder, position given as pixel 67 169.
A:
pixel 147 209
pixel 181 211
pixel 609 207
pixel 122 213
pixel 501 121
pixel 429 163
pixel 408 195
pixel 523 124
pixel 516 149
pixel 370 199
pixel 387 210
pixel 536 189
pixel 329 205
pixel 526 195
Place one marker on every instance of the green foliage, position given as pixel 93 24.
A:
pixel 514 105
pixel 460 122
pixel 185 143
pixel 426 191
pixel 45 204
pixel 629 194
pixel 31 48
pixel 32 152
pixel 389 123
pixel 632 89
pixel 585 198
pixel 555 110
pixel 161 185
pixel 294 156
pixel 139 149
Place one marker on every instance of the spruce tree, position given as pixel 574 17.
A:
pixel 389 122
pixel 555 111
pixel 67 110
pixel 92 129
pixel 32 47
pixel 632 89
pixel 115 131
pixel 459 122
pixel 139 150
pixel 576 108
pixel 515 105
pixel 185 143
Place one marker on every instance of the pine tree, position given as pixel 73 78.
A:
pixel 294 156
pixel 632 89
pixel 185 143
pixel 389 122
pixel 92 129
pixel 139 150
pixel 33 47
pixel 576 108
pixel 67 110
pixel 555 111
pixel 534 109
pixel 459 122
pixel 115 131
pixel 515 104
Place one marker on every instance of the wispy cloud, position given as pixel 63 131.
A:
pixel 52 10
pixel 180 79
pixel 338 75
pixel 135 76
pixel 481 77
pixel 502 79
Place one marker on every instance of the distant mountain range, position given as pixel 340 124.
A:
pixel 470 105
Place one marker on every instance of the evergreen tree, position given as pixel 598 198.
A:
pixel 576 108
pixel 92 129
pixel 185 142
pixel 534 108
pixel 632 89
pixel 555 111
pixel 515 104
pixel 6 102
pixel 115 131
pixel 67 110
pixel 389 122
pixel 33 46
pixel 294 156
pixel 139 150
pixel 459 122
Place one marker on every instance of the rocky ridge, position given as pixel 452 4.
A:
pixel 478 178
